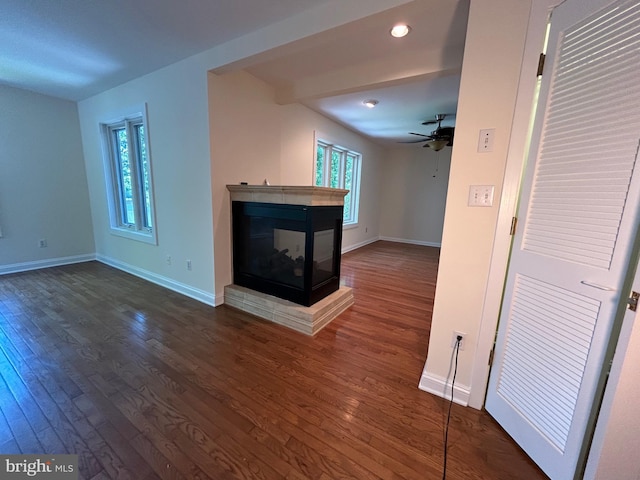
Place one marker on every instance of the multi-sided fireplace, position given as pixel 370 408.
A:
pixel 286 244
pixel 290 251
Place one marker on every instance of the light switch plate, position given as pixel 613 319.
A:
pixel 481 195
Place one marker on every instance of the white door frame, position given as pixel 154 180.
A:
pixel 518 147
pixel 613 452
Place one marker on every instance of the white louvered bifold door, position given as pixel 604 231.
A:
pixel 578 221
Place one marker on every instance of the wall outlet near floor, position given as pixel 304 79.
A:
pixel 188 264
pixel 168 259
pixel 42 242
pixel 454 339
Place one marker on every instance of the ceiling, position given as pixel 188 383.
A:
pixel 75 49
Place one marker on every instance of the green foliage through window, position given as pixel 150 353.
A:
pixel 338 167
pixel 124 176
pixel 320 154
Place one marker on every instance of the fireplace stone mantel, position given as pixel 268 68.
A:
pixel 287 195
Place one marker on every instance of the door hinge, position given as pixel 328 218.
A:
pixel 493 350
pixel 514 224
pixel 633 301
pixel 541 64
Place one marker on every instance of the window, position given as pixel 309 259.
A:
pixel 338 167
pixel 128 168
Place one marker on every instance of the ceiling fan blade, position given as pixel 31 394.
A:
pixel 425 138
pixel 439 118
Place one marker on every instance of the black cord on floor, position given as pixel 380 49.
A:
pixel 446 428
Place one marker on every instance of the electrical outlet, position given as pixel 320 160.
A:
pixel 485 140
pixel 188 264
pixel 168 259
pixel 454 339
pixel 42 242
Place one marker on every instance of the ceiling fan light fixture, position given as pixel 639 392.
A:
pixel 370 103
pixel 400 30
pixel 436 145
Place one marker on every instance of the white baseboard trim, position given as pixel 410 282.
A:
pixel 442 388
pixel 355 246
pixel 219 299
pixel 189 291
pixel 413 242
pixel 49 262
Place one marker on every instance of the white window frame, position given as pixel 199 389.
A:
pixel 352 201
pixel 138 230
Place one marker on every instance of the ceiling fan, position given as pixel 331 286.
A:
pixel 440 137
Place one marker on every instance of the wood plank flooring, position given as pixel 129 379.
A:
pixel 144 383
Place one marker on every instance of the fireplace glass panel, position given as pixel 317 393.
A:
pixel 324 256
pixel 283 262
pixel 291 251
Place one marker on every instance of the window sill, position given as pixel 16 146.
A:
pixel 144 237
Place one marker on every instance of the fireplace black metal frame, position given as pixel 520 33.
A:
pixel 299 218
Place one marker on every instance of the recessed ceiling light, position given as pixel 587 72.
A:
pixel 400 30
pixel 370 103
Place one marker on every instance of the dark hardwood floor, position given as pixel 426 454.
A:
pixel 144 383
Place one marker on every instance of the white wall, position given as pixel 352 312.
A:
pixel 176 98
pixel 253 138
pixel 414 192
pixel 487 100
pixel 43 187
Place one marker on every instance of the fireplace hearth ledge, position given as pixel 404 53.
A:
pixel 307 320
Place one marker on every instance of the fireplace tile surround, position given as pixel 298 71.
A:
pixel 307 320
